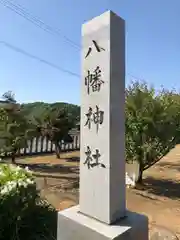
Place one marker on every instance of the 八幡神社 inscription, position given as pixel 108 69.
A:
pixel 92 160
pixel 96 117
pixel 98 48
pixel 93 80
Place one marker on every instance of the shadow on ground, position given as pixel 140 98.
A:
pixel 47 168
pixel 72 159
pixel 170 165
pixel 162 187
pixel 56 176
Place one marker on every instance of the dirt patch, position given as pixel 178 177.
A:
pixel 159 199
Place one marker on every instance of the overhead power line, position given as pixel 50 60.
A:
pixel 27 54
pixel 23 12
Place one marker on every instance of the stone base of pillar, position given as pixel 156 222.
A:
pixel 73 225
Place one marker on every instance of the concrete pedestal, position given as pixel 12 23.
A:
pixel 73 225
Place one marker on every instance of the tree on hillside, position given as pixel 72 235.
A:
pixel 9 97
pixel 55 125
pixel 152 125
pixel 38 109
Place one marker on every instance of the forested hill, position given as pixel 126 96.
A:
pixel 37 109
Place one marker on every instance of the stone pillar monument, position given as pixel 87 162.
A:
pixel 102 211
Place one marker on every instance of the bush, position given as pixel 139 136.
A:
pixel 23 215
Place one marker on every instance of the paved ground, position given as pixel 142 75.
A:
pixel 159 200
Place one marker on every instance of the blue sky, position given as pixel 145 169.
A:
pixel 152 45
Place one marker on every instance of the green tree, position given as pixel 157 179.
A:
pixel 152 124
pixel 15 130
pixel 55 125
pixel 17 134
